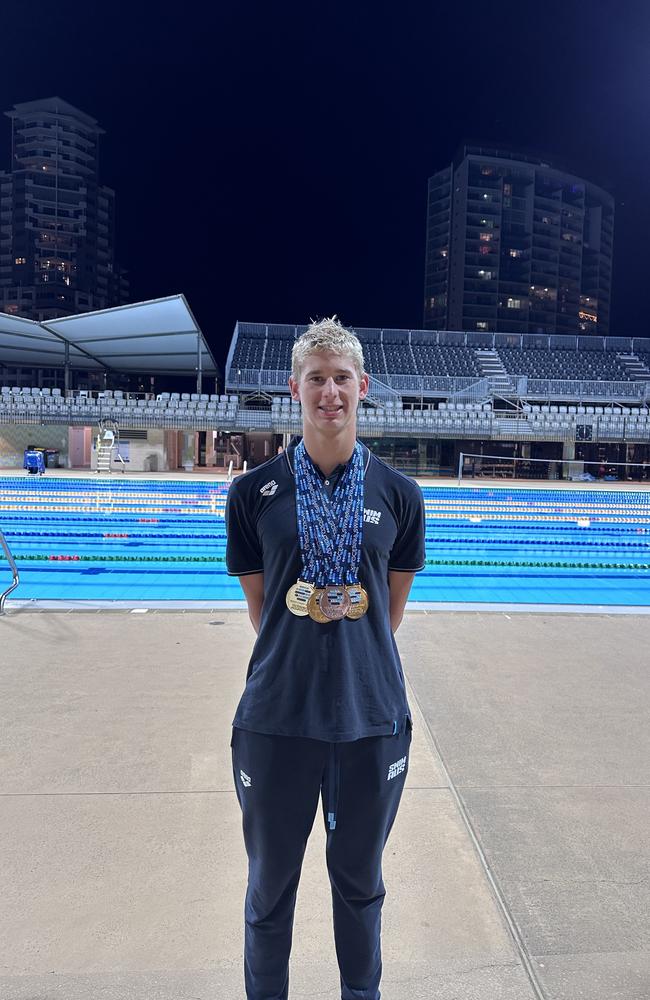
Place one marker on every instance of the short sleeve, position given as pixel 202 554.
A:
pixel 243 549
pixel 408 552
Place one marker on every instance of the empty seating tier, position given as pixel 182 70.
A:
pixel 410 355
pixel 563 364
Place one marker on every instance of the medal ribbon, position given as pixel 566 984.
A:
pixel 330 530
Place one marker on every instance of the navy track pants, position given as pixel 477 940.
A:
pixel 279 780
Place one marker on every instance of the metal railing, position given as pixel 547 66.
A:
pixel 437 386
pixel 381 391
pixel 454 338
pixel 14 570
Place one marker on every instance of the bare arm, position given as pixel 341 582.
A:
pixel 253 587
pixel 399 585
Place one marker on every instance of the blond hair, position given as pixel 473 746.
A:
pixel 326 336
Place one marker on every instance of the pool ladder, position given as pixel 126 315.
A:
pixel 14 570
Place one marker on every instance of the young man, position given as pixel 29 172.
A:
pixel 325 539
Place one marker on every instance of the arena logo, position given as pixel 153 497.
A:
pixel 371 516
pixel 269 489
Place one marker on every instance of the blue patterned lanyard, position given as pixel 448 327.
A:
pixel 330 530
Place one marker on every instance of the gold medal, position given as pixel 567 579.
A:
pixel 297 598
pixel 358 601
pixel 314 609
pixel 334 602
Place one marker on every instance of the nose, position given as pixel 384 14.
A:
pixel 330 387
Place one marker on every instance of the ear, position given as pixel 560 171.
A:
pixel 295 391
pixel 364 385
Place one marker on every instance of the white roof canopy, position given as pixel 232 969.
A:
pixel 160 336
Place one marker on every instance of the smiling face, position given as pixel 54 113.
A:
pixel 329 390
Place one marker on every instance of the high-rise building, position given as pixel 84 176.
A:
pixel 57 223
pixel 515 245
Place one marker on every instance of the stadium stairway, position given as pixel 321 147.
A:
pixel 491 367
pixel 636 369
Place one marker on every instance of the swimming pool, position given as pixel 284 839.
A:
pixel 161 540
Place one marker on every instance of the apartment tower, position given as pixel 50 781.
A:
pixel 514 245
pixel 57 223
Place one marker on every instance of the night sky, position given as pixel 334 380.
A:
pixel 271 159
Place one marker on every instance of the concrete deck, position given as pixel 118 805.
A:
pixel 518 867
pixel 204 474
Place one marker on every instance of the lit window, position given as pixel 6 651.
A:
pixel 507 188
pixel 20 260
pixel 485 275
pixel 546 294
pixel 443 253
pixel 487 171
pixel 486 237
pixel 481 325
pixel 514 303
pixel 515 253
pixel 483 250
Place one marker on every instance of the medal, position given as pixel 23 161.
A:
pixel 358 601
pixel 334 602
pixel 297 598
pixel 330 531
pixel 314 610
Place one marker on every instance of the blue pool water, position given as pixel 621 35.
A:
pixel 83 539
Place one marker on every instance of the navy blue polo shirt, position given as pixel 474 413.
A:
pixel 343 680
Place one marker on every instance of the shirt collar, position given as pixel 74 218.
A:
pixel 290 449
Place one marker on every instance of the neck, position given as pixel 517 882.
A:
pixel 328 453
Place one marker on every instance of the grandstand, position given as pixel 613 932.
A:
pixel 530 395
pixel 433 395
pixel 433 363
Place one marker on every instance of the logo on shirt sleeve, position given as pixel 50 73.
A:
pixel 245 779
pixel 269 489
pixel 371 516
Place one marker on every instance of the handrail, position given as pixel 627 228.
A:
pixel 107 423
pixel 14 570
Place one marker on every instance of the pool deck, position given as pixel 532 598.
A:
pixel 517 869
pixel 209 475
